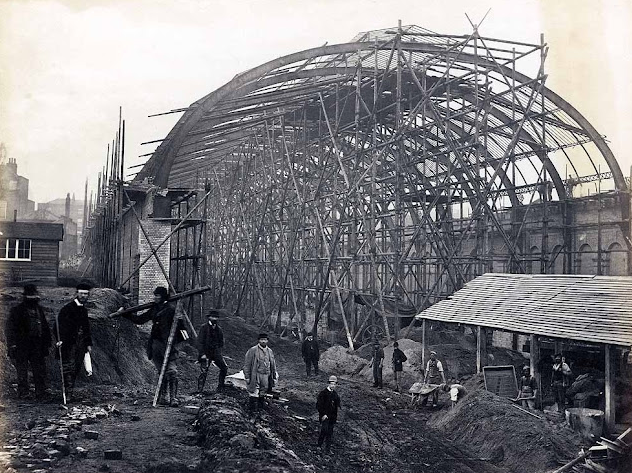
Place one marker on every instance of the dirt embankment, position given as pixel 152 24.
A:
pixel 493 428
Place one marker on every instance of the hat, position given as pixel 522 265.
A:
pixel 395 344
pixel 433 352
pixel 333 379
pixel 30 290
pixel 310 334
pixel 262 335
pixel 83 286
pixel 212 314
pixel 161 291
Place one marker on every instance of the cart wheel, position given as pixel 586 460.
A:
pixel 371 331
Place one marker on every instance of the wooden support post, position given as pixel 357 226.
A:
pixel 423 346
pixel 609 391
pixel 534 364
pixel 481 348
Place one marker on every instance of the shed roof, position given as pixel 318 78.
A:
pixel 588 308
pixel 32 230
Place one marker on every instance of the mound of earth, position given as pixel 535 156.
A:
pixel 493 428
pixel 233 443
pixel 337 360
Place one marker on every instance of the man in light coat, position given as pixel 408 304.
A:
pixel 260 372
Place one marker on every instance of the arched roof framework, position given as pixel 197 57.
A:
pixel 383 155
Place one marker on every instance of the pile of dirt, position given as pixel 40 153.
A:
pixel 492 427
pixel 234 443
pixel 118 351
pixel 338 360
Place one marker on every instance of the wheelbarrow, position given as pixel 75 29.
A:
pixel 419 393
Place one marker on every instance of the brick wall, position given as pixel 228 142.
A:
pixel 150 275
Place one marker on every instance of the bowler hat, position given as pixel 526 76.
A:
pixel 262 335
pixel 161 291
pixel 30 290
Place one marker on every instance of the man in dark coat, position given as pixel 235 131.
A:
pixel 210 343
pixel 377 362
pixel 73 336
pixel 311 353
pixel 161 314
pixel 398 360
pixel 327 403
pixel 28 341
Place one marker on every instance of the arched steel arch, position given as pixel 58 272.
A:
pixel 392 166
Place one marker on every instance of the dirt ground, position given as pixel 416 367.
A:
pixel 377 430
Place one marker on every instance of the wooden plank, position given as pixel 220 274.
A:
pixel 609 417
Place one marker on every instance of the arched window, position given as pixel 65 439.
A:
pixel 533 265
pixel 617 261
pixel 585 264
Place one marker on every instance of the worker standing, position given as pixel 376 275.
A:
pixel 327 403
pixel 210 343
pixel 311 354
pixel 398 359
pixel 527 388
pixel 162 315
pixel 74 339
pixel 434 375
pixel 260 372
pixel 377 362
pixel 560 381
pixel 28 341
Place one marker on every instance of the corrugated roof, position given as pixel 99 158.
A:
pixel 32 230
pixel 588 308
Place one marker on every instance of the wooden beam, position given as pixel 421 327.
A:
pixel 481 348
pixel 534 363
pixel 609 381
pixel 423 345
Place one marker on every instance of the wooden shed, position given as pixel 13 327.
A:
pixel 29 251
pixel 594 310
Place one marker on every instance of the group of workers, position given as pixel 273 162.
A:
pixel 29 340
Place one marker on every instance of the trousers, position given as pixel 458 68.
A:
pixel 326 432
pixel 38 368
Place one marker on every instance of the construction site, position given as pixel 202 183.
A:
pixel 406 186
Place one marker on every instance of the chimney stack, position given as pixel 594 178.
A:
pixel 67 214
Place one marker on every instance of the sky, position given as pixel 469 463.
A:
pixel 68 65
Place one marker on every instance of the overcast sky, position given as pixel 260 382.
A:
pixel 68 65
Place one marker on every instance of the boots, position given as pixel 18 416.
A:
pixel 173 392
pixel 162 395
pixel 253 406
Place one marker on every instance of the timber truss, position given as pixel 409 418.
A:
pixel 382 168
